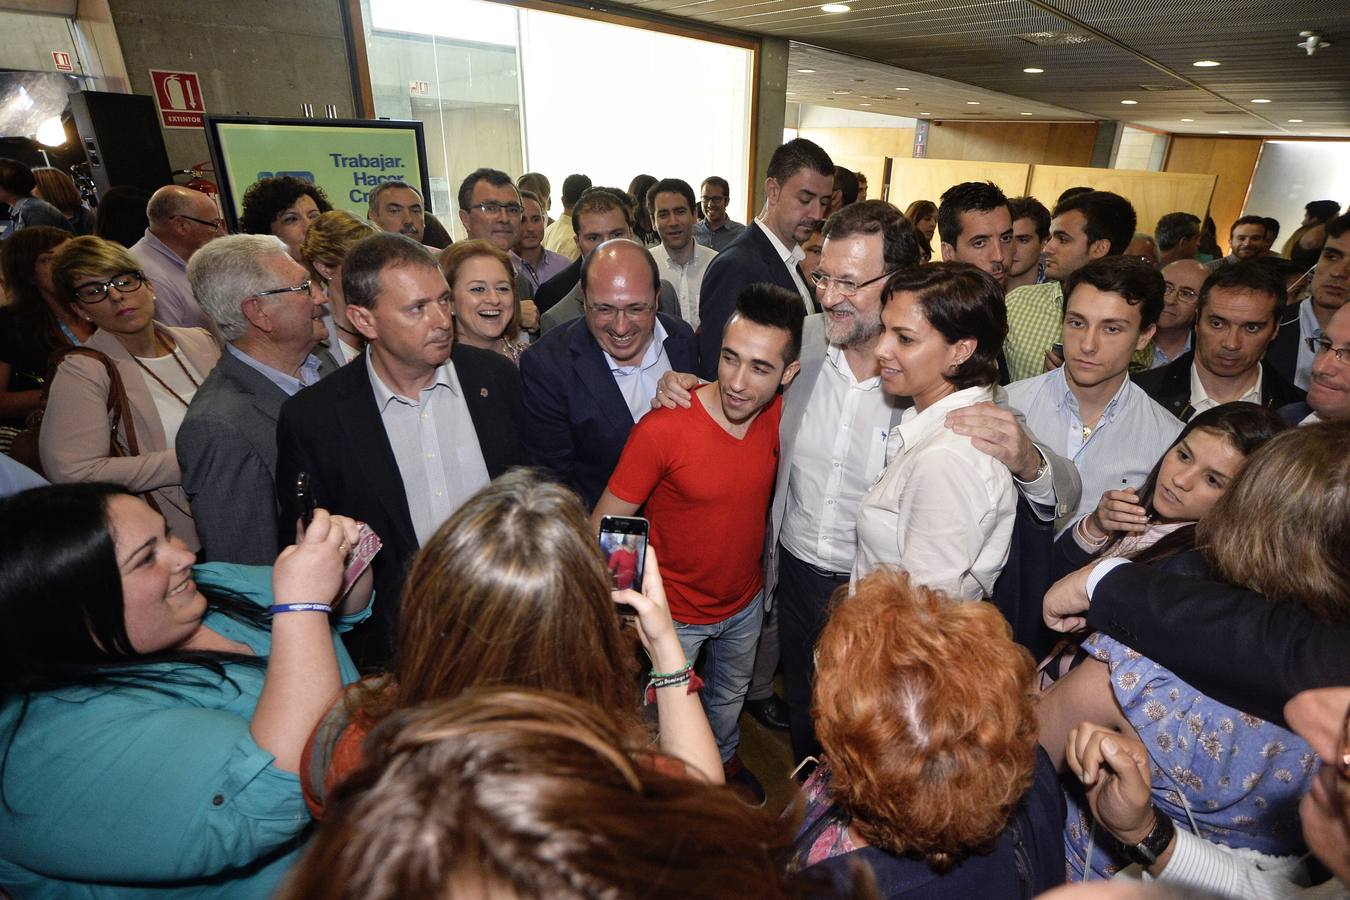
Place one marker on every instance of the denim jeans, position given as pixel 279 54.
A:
pixel 728 662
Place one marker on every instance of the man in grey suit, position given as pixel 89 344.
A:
pixel 272 318
pixel 832 447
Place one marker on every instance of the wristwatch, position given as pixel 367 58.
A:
pixel 1147 851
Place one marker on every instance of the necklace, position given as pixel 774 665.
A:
pixel 173 353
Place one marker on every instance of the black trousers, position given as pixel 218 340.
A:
pixel 802 599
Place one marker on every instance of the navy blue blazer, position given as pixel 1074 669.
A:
pixel 578 420
pixel 1282 354
pixel 748 259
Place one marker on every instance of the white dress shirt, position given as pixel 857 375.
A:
pixel 435 446
pixel 791 259
pixel 1307 328
pixel 686 278
pixel 1201 401
pixel 839 452
pixel 942 510
pixel 638 383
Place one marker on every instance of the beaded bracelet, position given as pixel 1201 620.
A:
pixel 673 680
pixel 299 607
pixel 655 675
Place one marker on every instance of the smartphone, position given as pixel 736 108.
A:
pixel 304 498
pixel 623 541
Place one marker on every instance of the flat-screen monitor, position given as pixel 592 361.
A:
pixel 344 157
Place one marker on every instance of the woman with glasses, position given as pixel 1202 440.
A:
pixel 90 430
pixel 941 510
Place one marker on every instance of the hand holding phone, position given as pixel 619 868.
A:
pixel 623 541
pixel 304 499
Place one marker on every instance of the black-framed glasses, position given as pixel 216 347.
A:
pixel 1184 294
pixel 845 288
pixel 213 224
pixel 492 208
pixel 301 288
pixel 1321 345
pixel 604 312
pixel 97 291
pixel 714 201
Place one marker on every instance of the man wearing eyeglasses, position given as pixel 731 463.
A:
pixel 1182 281
pixel 490 210
pixel 1329 389
pixel 717 228
pixel 588 381
pixel 1237 317
pixel 1329 290
pixel 271 316
pixel 182 221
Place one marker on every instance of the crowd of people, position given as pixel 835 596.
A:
pixel 1043 520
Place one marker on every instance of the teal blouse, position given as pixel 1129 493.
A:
pixel 118 793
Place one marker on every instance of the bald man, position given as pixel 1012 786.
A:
pixel 1182 281
pixel 182 221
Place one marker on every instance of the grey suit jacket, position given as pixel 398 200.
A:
pixel 569 307
pixel 227 450
pixel 1068 484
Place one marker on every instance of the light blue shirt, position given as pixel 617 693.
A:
pixel 1307 328
pixel 435 446
pixel 716 238
pixel 638 383
pixel 1161 359
pixel 1129 439
pixel 167 271
pixel 309 371
pixel 16 477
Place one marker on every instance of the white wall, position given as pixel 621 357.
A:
pixel 1290 174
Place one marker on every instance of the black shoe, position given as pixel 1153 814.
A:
pixel 771 712
pixel 743 782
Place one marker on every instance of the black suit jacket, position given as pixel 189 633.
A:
pixel 1282 354
pixel 748 259
pixel 1233 644
pixel 333 431
pixel 578 418
pixel 557 287
pixel 1170 387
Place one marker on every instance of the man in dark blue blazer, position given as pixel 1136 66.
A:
pixel 588 381
pixel 797 195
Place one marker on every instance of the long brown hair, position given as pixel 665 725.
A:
pixel 1283 527
pixel 511 590
pixel 534 794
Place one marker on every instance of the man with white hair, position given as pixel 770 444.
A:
pixel 271 317
pixel 182 221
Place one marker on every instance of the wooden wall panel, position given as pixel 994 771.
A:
pixel 1154 194
pixel 926 179
pixel 1232 160
pixel 863 149
pixel 1049 143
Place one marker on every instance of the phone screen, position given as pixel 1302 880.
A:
pixel 623 540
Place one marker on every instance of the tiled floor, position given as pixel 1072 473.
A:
pixel 767 753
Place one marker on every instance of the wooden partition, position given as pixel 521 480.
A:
pixel 1154 194
pixel 863 149
pixel 1232 159
pixel 926 179
pixel 1051 143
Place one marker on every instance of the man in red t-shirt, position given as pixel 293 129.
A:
pixel 704 477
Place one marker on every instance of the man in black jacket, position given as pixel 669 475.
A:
pixel 1237 316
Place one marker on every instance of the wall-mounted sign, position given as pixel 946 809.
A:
pixel 179 98
pixel 62 60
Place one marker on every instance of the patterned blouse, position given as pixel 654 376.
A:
pixel 1241 777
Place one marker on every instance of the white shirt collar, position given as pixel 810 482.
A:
pixel 915 426
pixel 445 377
pixel 654 351
pixel 1200 395
pixel 789 257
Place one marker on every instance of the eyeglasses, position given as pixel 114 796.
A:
pixel 714 201
pixel 1321 345
pixel 97 291
pixel 492 208
pixel 605 312
pixel 213 224
pixel 301 288
pixel 845 288
pixel 1184 294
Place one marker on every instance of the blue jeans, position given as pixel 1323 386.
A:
pixel 728 662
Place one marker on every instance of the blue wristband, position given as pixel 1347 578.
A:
pixel 300 607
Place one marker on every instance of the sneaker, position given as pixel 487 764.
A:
pixel 743 782
pixel 771 712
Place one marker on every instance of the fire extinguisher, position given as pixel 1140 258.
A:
pixel 181 94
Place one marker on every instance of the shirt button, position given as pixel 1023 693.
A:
pixel 431 456
pixel 440 493
pixel 218 800
pixel 829 503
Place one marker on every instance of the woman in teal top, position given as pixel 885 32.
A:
pixel 153 713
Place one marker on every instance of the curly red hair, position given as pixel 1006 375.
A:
pixel 924 709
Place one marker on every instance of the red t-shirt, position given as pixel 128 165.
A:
pixel 707 495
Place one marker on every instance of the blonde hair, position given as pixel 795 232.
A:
pixel 329 238
pixel 456 255
pixel 1283 527
pixel 91 256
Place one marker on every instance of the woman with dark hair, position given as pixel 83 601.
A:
pixel 152 713
pixel 922 214
pixel 642 216
pixel 36 322
pixel 1282 529
pixel 941 510
pixel 931 774
pixel 518 793
pixel 1180 491
pixel 58 189
pixel 513 590
pixel 285 206
pixel 121 215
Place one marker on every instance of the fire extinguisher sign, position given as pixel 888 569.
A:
pixel 179 98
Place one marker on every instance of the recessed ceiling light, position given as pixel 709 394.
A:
pixel 925 114
pixel 1260 100
pixel 807 71
pixel 1295 121
pixel 1204 64
pixel 1188 120
pixel 1033 71
pixel 1223 132
pixel 902 89
pixel 835 7
pixel 1028 114
pixel 1130 102
pixel 843 92
pixel 1315 133
pixel 864 104
pixel 792 93
pixel 972 103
